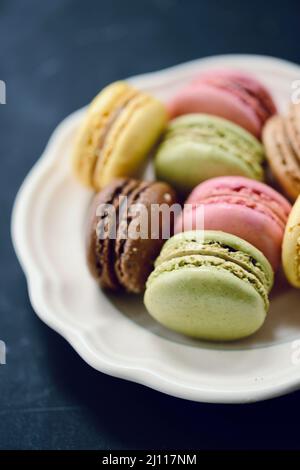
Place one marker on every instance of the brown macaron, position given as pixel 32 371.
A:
pixel 118 257
pixel 281 138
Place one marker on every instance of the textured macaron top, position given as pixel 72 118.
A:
pixel 118 130
pixel 119 259
pixel 243 87
pixel 218 250
pixel 281 137
pixel 244 192
pixel 212 134
pixel 227 93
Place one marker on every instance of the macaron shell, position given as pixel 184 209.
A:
pixel 117 132
pixel 205 303
pixel 128 144
pixel 227 93
pixel 197 147
pixel 248 87
pixel 89 133
pixel 219 124
pixel 244 187
pixel 292 122
pixel 203 98
pixel 189 163
pixel 291 246
pixel 281 156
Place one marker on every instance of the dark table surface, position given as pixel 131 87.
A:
pixel 54 57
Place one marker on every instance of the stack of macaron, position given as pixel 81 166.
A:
pixel 246 208
pixel 211 144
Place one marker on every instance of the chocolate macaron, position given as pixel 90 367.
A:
pixel 119 255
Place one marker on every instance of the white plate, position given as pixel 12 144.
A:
pixel 114 334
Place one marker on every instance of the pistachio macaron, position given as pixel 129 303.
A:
pixel 117 132
pixel 210 285
pixel 197 147
pixel 291 246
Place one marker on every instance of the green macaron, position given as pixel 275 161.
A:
pixel 197 147
pixel 210 285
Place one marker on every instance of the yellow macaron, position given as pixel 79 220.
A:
pixel 120 127
pixel 291 246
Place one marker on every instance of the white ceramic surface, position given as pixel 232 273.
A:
pixel 114 334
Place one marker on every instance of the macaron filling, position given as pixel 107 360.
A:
pixel 215 249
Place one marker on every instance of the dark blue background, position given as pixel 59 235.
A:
pixel 55 56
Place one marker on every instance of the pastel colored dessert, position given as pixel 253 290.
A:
pixel 117 258
pixel 120 127
pixel 209 285
pixel 291 246
pixel 246 208
pixel 281 137
pixel 229 94
pixel 197 147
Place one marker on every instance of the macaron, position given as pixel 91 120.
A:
pixel 291 246
pixel 281 138
pixel 209 285
pixel 118 130
pixel 120 255
pixel 243 207
pixel 229 94
pixel 197 147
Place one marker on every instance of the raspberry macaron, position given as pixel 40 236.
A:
pixel 243 207
pixel 230 94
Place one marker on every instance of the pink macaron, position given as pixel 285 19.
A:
pixel 230 94
pixel 240 206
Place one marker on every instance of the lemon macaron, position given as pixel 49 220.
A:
pixel 117 132
pixel 291 246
